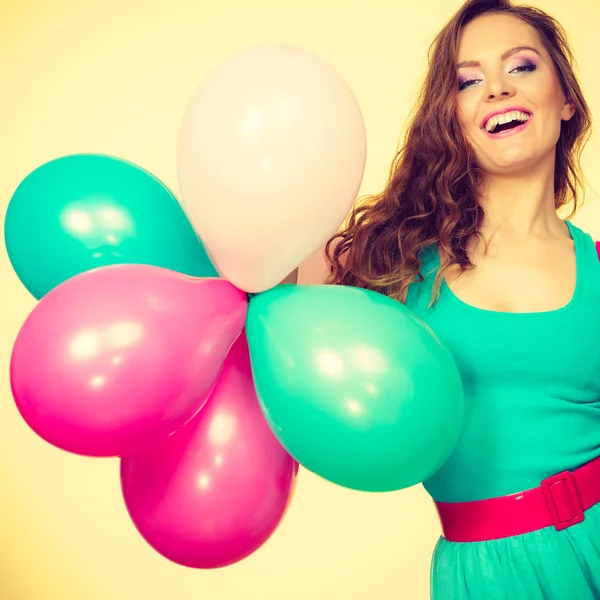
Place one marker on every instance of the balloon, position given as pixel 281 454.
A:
pixel 116 359
pixel 83 211
pixel 271 155
pixel 354 385
pixel 217 489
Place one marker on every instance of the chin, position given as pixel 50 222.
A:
pixel 510 165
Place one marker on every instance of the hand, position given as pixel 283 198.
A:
pixel 291 278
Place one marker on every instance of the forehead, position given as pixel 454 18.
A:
pixel 487 37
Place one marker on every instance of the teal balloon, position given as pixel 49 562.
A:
pixel 354 385
pixel 83 211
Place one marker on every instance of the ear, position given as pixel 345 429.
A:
pixel 568 111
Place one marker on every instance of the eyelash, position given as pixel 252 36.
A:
pixel 526 67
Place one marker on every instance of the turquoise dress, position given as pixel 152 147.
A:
pixel 532 386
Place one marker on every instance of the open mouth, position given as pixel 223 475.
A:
pixel 507 123
pixel 506 126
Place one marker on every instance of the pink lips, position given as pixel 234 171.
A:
pixel 501 112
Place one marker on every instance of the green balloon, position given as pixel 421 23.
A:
pixel 354 385
pixel 83 211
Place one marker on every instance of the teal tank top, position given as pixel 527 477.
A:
pixel 531 381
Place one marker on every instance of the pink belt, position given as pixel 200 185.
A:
pixel 560 500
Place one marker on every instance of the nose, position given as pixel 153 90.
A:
pixel 499 87
pixel 504 94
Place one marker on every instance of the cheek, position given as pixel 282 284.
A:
pixel 468 107
pixel 466 116
pixel 462 116
pixel 547 94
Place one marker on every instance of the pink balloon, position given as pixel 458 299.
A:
pixel 215 491
pixel 114 360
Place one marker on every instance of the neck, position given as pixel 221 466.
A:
pixel 521 205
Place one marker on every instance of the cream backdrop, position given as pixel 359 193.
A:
pixel 114 76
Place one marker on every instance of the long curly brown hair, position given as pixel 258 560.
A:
pixel 431 196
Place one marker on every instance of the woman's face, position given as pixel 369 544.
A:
pixel 495 75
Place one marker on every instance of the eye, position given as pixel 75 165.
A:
pixel 527 67
pixel 466 83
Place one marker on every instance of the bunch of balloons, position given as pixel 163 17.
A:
pixel 162 337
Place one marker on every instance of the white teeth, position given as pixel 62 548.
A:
pixel 515 115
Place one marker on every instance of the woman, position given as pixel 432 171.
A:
pixel 466 233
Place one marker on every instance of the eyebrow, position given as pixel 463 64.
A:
pixel 505 55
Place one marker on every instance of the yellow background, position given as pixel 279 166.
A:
pixel 114 76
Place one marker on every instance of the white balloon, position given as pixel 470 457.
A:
pixel 271 156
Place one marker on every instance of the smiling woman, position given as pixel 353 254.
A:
pixel 466 233
pixel 526 72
